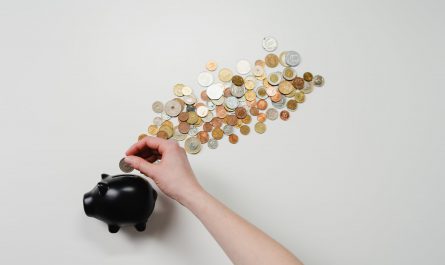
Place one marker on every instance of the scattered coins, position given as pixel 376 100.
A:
pixel 265 90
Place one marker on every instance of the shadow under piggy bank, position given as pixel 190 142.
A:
pixel 121 200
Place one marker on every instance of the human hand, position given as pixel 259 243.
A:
pixel 173 174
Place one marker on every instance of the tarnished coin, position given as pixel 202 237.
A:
pixel 298 83
pixel 299 97
pixel 157 107
pixel 124 166
pixel 292 105
pixel 192 145
pixel 307 76
pixel 237 80
pixel 211 65
pixel 271 60
pixel 162 134
pixel 205 79
pixel 215 91
pixel 272 114
pixel 177 90
pixel 202 111
pixel 285 87
pixel 318 81
pixel 225 75
pixel 260 127
pixel 240 112
pixel 186 91
pixel 270 44
pixel 292 58
pixel 212 144
pixel 244 130
pixel 217 133
pixel 233 138
pixel 173 108
pixel 284 115
pixel 243 67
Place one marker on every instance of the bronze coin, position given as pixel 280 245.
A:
pixel 298 83
pixel 237 80
pixel 232 120
pixel 216 122
pixel 162 134
pixel 183 127
pixel 217 134
pixel 183 116
pixel 227 92
pixel 142 136
pixel 221 111
pixel 207 127
pixel 244 130
pixel 292 104
pixel 261 104
pixel 272 60
pixel 261 117
pixel 233 138
pixel 240 112
pixel 308 77
pixel 276 97
pixel 284 115
pixel 247 119
pixel 204 95
pixel 203 137
pixel 254 111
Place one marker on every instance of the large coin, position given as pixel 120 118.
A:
pixel 243 67
pixel 205 79
pixel 192 145
pixel 225 75
pixel 173 108
pixel 270 44
pixel 293 58
pixel 215 91
pixel 124 166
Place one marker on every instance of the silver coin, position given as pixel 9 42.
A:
pixel 208 118
pixel 215 91
pixel 189 100
pixel 293 58
pixel 308 87
pixel 157 121
pixel 219 101
pixel 318 81
pixel 177 135
pixel 192 145
pixel 210 105
pixel 228 129
pixel 165 116
pixel 173 108
pixel 212 144
pixel 202 111
pixel 190 108
pixel 231 102
pixel 124 166
pixel 157 106
pixel 205 79
pixel 237 91
pixel 243 67
pixel 272 114
pixel 280 104
pixel 270 44
pixel 193 131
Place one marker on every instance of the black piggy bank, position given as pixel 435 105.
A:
pixel 121 200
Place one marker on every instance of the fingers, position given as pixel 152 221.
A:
pixel 142 165
pixel 154 143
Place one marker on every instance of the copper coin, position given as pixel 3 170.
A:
pixel 183 116
pixel 233 138
pixel 162 134
pixel 204 95
pixel 298 83
pixel 247 119
pixel 285 87
pixel 217 134
pixel 240 112
pixel 261 117
pixel 216 122
pixel 207 127
pixel 260 63
pixel 254 111
pixel 227 92
pixel 183 127
pixel 284 115
pixel 251 103
pixel 292 104
pixel 308 76
pixel 203 137
pixel 141 136
pixel 232 120
pixel 221 111
pixel 244 130
pixel 262 104
pixel 272 60
pixel 237 80
pixel 276 97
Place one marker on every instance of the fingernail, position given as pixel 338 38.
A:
pixel 128 160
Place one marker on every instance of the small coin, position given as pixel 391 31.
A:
pixel 216 122
pixel 203 137
pixel 141 136
pixel 260 127
pixel 244 130
pixel 202 111
pixel 183 116
pixel 237 91
pixel 186 91
pixel 258 70
pixel 298 83
pixel 152 129
pixel 240 112
pixel 261 104
pixel 232 120
pixel 284 115
pixel 249 84
pixel 254 111
pixel 207 126
pixel 208 117
pixel 212 144
pixel 272 114
pixel 274 78
pixel 228 129
pixel 318 81
pixel 243 67
pixel 292 105
pixel 192 145
pixel 271 91
pixel 231 102
pixel 270 44
pixel 184 127
pixel 261 92
pixel 250 95
pixel 177 135
pixel 233 138
pixel 299 97
pixel 205 79
pixel 247 119
pixel 215 91
pixel 217 133
pixel 193 131
pixel 225 75
pixel 177 90
pixel 167 129
pixel 124 166
pixel 204 95
pixel 279 104
pixel 282 58
pixel 162 134
pixel 261 117
pixel 211 65
pixel 308 87
pixel 289 73
pixel 158 107
pixel 157 121
pixel 173 108
pixel 237 80
pixel 307 76
pixel 292 58
pixel 221 112
pixel 285 87
pixel 193 118
pixel 271 60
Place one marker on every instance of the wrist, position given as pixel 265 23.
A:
pixel 192 197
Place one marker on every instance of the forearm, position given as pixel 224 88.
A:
pixel 243 243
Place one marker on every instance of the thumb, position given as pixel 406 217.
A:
pixel 143 166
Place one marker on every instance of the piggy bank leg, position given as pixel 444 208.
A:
pixel 113 228
pixel 141 226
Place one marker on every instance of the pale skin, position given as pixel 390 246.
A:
pixel 243 243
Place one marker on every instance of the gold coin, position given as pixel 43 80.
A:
pixel 239 123
pixel 167 129
pixel 299 97
pixel 152 129
pixel 233 138
pixel 237 80
pixel 292 93
pixel 211 65
pixel 177 90
pixel 292 104
pixel 162 134
pixel 186 91
pixel 247 119
pixel 298 83
pixel 167 123
pixel 249 84
pixel 250 95
pixel 193 117
pixel 260 63
pixel 285 87
pixel 261 117
pixel 271 60
pixel 141 136
pixel 217 133
pixel 244 130
pixel 288 73
pixel 308 76
pixel 260 127
pixel 225 75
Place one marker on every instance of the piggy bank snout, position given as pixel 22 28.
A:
pixel 88 204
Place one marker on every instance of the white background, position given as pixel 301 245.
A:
pixel 354 177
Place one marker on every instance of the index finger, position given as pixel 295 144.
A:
pixel 154 143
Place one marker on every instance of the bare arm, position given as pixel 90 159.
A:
pixel 243 243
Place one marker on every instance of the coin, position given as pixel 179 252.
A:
pixel 271 91
pixel 237 91
pixel 193 117
pixel 284 115
pixel 221 112
pixel 307 76
pixel 152 129
pixel 299 97
pixel 260 127
pixel 207 126
pixel 183 127
pixel 204 95
pixel 292 105
pixel 261 104
pixel 177 135
pixel 237 80
pixel 298 83
pixel 254 111
pixel 258 70
pixel 261 92
pixel 282 59
pixel 215 91
pixel 232 120
pixel 274 78
pixel 177 90
pixel 186 91
pixel 167 129
pixel 292 58
pixel 141 136
pixel 193 131
pixel 212 144
pixel 240 112
pixel 216 122
pixel 318 81
pixel 250 95
pixel 205 79
pixel 247 119
pixel 233 138
pixel 249 84
pixel 202 111
pixel 289 73
pixel 217 133
pixel 157 121
pixel 271 60
pixel 162 134
pixel 211 65
pixel 173 108
pixel 270 44
pixel 228 129
pixel 308 87
pixel 272 114
pixel 203 137
pixel 208 117
pixel 225 75
pixel 192 145
pixel 231 102
pixel 261 117
pixel 183 116
pixel 124 166
pixel 244 130
pixel 285 87
pixel 279 104
pixel 243 67
pixel 158 107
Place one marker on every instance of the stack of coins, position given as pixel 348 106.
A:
pixel 232 101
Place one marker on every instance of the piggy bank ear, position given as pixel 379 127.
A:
pixel 103 188
pixel 103 175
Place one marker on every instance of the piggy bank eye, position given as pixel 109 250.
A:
pixel 103 187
